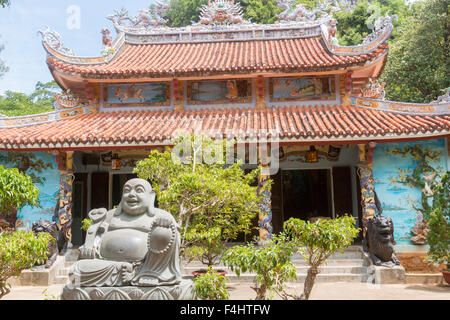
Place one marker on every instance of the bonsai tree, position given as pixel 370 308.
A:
pixel 212 203
pixel 16 191
pixel 318 240
pixel 439 223
pixel 210 286
pixel 271 263
pixel 20 250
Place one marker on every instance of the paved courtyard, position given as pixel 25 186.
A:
pixel 321 291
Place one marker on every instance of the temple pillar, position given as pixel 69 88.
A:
pixel 63 210
pixel 265 204
pixel 365 173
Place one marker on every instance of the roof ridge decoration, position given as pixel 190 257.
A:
pixel 221 12
pixel 441 107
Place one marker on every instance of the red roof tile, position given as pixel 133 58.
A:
pixel 177 59
pixel 294 123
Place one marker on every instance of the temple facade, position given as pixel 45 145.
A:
pixel 288 84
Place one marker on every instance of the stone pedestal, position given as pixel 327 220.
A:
pixel 386 275
pixel 182 291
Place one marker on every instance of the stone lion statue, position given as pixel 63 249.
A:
pixel 379 241
pixel 53 251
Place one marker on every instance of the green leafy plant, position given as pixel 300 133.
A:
pixel 16 190
pixel 85 224
pixel 439 223
pixel 318 240
pixel 212 203
pixel 211 286
pixel 20 250
pixel 271 263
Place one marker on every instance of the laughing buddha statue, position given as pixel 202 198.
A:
pixel 130 252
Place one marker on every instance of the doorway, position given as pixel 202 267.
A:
pixel 307 194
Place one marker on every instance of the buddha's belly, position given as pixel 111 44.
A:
pixel 124 245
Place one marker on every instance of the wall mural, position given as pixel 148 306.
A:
pixel 43 170
pixel 298 153
pixel 220 91
pixel 405 175
pixel 282 89
pixel 155 93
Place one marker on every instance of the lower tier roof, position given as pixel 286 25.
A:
pixel 296 124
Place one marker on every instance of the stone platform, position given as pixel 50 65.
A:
pixel 182 291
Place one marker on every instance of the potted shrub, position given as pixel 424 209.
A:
pixel 318 240
pixel 210 286
pixel 438 237
pixel 271 263
pixel 212 202
pixel 20 250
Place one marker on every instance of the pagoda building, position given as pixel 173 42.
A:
pixel 290 84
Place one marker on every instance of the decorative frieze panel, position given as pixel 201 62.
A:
pixel 219 91
pixel 434 108
pixel 305 88
pixel 46 117
pixel 138 94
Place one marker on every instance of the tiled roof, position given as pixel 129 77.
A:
pixel 177 59
pixel 294 123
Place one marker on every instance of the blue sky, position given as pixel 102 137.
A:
pixel 19 24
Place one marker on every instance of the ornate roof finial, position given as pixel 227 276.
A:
pixel 146 19
pixel 221 12
pixel 379 27
pixel 445 98
pixel 53 40
pixel 374 90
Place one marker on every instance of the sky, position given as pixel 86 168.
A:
pixel 79 22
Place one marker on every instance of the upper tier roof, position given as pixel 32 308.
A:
pixel 145 48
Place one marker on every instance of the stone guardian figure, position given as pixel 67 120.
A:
pixel 130 252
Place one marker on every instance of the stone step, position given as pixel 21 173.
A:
pixel 61 279
pixel 321 277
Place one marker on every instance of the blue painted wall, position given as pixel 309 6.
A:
pixel 48 189
pixel 398 199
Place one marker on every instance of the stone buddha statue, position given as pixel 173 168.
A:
pixel 134 247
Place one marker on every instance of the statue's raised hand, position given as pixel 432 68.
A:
pixel 162 234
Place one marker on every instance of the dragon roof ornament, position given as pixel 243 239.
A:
pixel 53 40
pixel 146 19
pixel 379 27
pixel 221 12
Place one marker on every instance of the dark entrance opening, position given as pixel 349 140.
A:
pixel 306 194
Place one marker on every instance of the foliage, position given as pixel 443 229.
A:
pixel 183 12
pixel 16 190
pixel 212 203
pixel 211 286
pixel 20 250
pixel 318 240
pixel 418 65
pixel 438 237
pixel 423 157
pixel 271 263
pixel 260 11
pixel 14 104
pixel 5 3
pixel 85 224
pixel 26 162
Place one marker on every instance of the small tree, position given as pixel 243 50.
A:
pixel 212 202
pixel 20 250
pixel 16 191
pixel 439 223
pixel 211 286
pixel 317 241
pixel 271 263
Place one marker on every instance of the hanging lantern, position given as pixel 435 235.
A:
pixel 312 156
pixel 115 162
